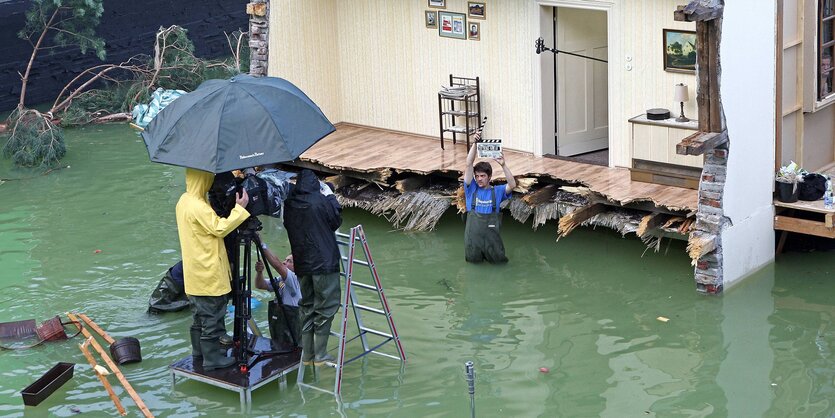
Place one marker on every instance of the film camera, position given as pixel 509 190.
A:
pixel 265 196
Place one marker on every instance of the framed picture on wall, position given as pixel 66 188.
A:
pixel 438 4
pixel 679 51
pixel 476 10
pixel 474 31
pixel 452 25
pixel 431 18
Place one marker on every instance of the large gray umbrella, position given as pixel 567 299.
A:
pixel 245 121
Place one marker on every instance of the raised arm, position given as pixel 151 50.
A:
pixel 277 264
pixel 511 181
pixel 468 171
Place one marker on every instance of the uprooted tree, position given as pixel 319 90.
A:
pixel 108 92
pixel 34 139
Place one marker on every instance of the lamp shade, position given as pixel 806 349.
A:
pixel 680 93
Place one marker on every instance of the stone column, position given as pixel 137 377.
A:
pixel 259 35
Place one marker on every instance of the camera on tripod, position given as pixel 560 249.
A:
pixel 266 193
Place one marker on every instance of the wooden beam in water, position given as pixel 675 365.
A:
pixel 115 369
pixel 101 376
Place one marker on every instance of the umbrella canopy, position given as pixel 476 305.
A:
pixel 242 122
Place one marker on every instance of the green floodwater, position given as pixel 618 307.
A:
pixel 585 308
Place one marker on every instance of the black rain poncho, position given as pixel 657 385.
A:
pixel 311 219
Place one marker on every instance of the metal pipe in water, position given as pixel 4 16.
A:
pixel 470 372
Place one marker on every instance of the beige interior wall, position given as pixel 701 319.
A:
pixel 303 50
pixel 374 62
pixel 646 85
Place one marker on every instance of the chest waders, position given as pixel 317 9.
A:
pixel 481 233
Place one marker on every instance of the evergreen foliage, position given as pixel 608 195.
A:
pixel 34 141
pixel 72 22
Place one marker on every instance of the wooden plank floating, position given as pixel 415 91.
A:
pixel 701 142
pixel 115 369
pixel 102 376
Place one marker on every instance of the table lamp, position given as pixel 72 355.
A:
pixel 681 96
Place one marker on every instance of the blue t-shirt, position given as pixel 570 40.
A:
pixel 484 196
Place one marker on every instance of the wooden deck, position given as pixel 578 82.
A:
pixel 365 149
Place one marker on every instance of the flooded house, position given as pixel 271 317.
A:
pixel 654 118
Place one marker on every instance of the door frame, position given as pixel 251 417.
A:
pixel 543 81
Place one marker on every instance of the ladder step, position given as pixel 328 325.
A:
pixel 360 262
pixel 370 309
pixel 364 286
pixel 375 332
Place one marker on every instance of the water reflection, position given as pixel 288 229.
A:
pixel 585 308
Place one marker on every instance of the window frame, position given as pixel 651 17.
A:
pixel 823 98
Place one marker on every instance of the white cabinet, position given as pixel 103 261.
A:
pixel 655 140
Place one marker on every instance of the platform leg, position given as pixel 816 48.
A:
pixel 300 374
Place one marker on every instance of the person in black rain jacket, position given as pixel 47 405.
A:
pixel 311 218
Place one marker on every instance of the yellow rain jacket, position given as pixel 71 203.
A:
pixel 205 264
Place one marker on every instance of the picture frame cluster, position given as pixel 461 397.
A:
pixel 453 24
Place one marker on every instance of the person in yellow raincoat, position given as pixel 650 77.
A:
pixel 206 268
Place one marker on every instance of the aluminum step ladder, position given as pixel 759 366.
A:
pixel 348 258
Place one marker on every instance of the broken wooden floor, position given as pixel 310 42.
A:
pixel 366 150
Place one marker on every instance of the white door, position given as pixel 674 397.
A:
pixel 582 84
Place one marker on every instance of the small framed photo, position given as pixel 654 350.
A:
pixel 679 51
pixel 438 4
pixel 476 10
pixel 474 31
pixel 431 18
pixel 452 25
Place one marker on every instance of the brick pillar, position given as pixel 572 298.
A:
pixel 710 220
pixel 259 34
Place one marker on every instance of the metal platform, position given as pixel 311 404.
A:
pixel 231 378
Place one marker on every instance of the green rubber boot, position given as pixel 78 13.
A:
pixel 307 348
pixel 320 347
pixel 214 357
pixel 196 354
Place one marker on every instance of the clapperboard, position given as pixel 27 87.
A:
pixel 489 148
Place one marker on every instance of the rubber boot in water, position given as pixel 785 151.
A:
pixel 320 346
pixel 307 348
pixel 214 357
pixel 196 354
